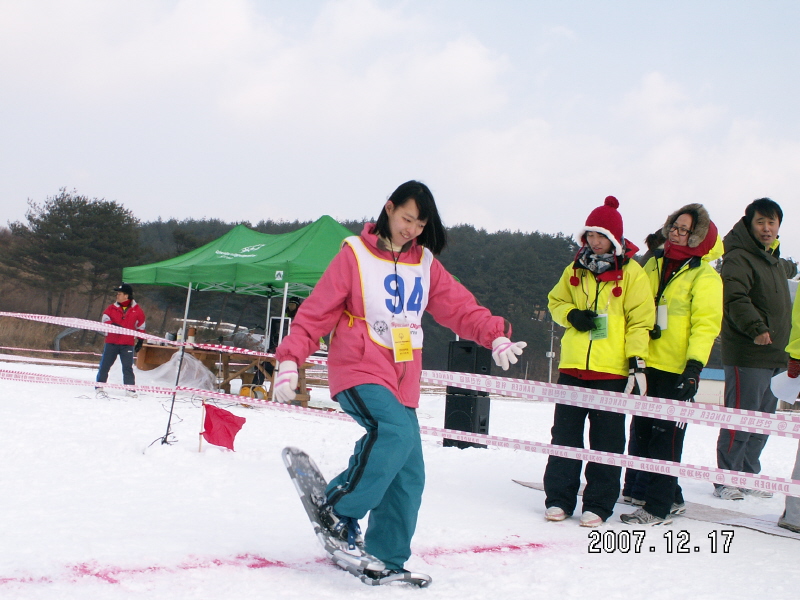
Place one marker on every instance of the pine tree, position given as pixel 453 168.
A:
pixel 70 242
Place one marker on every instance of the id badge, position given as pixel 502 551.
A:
pixel 600 331
pixel 401 342
pixel 661 316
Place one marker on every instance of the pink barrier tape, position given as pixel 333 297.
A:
pixel 643 406
pixel 711 475
pixel 104 328
pixel 47 361
pixel 48 351
pixel 790 487
pixel 81 324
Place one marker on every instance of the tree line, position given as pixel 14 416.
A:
pixel 72 244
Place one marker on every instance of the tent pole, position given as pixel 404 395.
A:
pixel 165 439
pixel 283 311
pixel 202 426
pixel 186 312
pixel 267 332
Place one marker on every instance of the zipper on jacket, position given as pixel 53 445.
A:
pixel 402 376
pixel 596 298
pixel 662 285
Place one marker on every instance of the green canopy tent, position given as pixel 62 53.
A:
pixel 248 262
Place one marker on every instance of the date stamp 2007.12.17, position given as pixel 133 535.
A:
pixel 626 541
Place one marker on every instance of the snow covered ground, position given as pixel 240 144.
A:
pixel 89 508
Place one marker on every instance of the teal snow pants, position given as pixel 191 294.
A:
pixel 386 474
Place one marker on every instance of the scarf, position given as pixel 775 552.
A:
pixel 596 263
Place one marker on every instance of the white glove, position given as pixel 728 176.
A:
pixel 505 352
pixel 285 382
pixel 636 376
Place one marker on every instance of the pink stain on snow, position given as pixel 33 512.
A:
pixel 495 548
pixel 114 575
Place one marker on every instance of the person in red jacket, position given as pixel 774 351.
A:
pixel 372 296
pixel 125 312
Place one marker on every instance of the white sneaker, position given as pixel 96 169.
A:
pixel 589 519
pixel 756 493
pixel 727 492
pixel 131 394
pixel 678 509
pixel 555 513
pixel 100 394
pixel 641 517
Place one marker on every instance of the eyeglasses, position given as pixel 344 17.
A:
pixel 680 230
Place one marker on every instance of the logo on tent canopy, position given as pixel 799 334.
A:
pixel 278 275
pixel 246 252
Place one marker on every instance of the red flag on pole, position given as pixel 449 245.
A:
pixel 220 426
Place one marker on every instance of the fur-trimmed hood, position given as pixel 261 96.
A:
pixel 699 230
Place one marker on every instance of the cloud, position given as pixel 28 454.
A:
pixel 362 70
pixel 663 106
pixel 170 107
pixel 538 174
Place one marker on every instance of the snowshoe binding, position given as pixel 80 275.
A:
pixel 340 536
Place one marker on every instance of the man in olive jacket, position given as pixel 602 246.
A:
pixel 755 331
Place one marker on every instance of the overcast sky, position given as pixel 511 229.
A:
pixel 519 115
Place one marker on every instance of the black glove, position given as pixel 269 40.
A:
pixel 582 320
pixel 138 345
pixel 689 381
pixel 637 381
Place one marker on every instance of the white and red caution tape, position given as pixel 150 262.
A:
pixel 643 406
pixel 671 410
pixel 674 410
pixel 81 324
pixel 48 351
pixel 707 474
pixel 106 328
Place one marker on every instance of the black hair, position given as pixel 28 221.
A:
pixel 765 206
pixel 654 240
pixel 433 236
pixel 695 215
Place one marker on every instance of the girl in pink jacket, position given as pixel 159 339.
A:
pixel 372 297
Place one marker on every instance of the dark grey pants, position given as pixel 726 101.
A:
pixel 746 388
pixel 110 354
pixel 792 513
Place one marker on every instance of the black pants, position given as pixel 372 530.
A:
pixel 661 440
pixel 606 433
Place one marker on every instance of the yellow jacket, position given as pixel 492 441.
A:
pixel 692 300
pixel 630 317
pixel 794 338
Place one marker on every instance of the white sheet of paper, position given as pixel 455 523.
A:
pixel 785 388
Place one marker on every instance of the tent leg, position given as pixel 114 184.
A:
pixel 267 328
pixel 165 439
pixel 283 310
pixel 222 310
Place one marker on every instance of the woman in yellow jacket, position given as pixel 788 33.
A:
pixel 688 297
pixel 790 519
pixel 603 300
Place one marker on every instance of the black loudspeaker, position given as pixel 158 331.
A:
pixel 466 413
pixel 465 356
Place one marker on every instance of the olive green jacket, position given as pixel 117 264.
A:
pixel 756 299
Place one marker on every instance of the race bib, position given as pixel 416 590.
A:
pixel 395 296
pixel 401 343
pixel 600 331
pixel 661 316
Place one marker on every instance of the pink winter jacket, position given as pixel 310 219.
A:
pixel 353 358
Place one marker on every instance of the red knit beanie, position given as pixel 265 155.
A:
pixel 606 220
